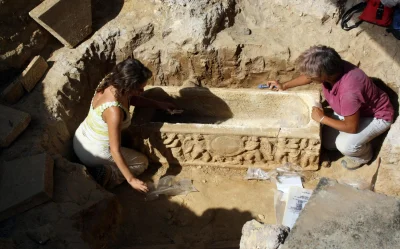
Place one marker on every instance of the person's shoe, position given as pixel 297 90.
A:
pixel 350 164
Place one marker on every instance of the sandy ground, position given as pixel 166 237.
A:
pixel 217 212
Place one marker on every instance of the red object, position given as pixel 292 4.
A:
pixel 377 13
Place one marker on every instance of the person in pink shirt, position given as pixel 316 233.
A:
pixel 362 111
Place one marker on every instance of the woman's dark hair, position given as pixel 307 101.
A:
pixel 319 60
pixel 126 76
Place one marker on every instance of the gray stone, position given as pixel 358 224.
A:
pixel 25 183
pixel 70 21
pixel 13 92
pixel 12 124
pixel 32 74
pixel 262 236
pixel 340 216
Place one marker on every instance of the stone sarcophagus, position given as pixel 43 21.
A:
pixel 230 128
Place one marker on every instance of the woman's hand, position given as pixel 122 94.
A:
pixel 167 106
pixel 138 185
pixel 275 85
pixel 317 113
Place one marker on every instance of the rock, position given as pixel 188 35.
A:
pixel 247 31
pixel 32 74
pixel 25 183
pixel 13 92
pixel 260 216
pixel 340 216
pixel 78 216
pixel 204 181
pixel 20 37
pixel 12 124
pixel 70 21
pixel 262 236
pixel 388 180
pixel 390 151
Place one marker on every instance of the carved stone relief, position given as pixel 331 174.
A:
pixel 228 150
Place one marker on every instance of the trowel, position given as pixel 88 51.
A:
pixel 264 86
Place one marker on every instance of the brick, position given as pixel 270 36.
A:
pixel 70 21
pixel 33 73
pixel 25 183
pixel 12 123
pixel 13 92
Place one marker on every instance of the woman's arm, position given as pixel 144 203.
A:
pixel 141 101
pixel 348 125
pixel 299 81
pixel 113 117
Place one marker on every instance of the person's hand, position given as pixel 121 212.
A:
pixel 317 113
pixel 275 85
pixel 167 106
pixel 138 185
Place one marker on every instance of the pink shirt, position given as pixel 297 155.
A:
pixel 355 91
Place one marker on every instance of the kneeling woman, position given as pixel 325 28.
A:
pixel 97 141
pixel 362 110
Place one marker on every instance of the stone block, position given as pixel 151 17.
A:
pixel 70 21
pixel 25 183
pixel 12 124
pixel 230 128
pixel 262 236
pixel 79 215
pixel 32 74
pixel 390 151
pixel 388 180
pixel 340 216
pixel 13 92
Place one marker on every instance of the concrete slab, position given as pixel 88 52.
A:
pixel 32 74
pixel 340 216
pixel 13 92
pixel 70 21
pixel 12 123
pixel 25 183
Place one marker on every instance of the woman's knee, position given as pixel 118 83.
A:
pixel 348 146
pixel 345 144
pixel 140 165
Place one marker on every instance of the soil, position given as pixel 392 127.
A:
pixel 218 211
